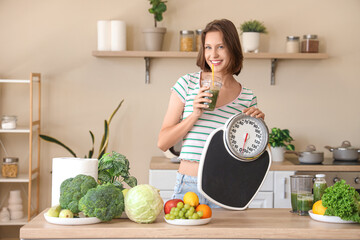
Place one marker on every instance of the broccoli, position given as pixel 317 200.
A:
pixel 72 189
pixel 343 201
pixel 105 202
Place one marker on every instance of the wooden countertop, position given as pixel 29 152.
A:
pixel 225 224
pixel 163 163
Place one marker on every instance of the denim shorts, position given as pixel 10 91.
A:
pixel 184 184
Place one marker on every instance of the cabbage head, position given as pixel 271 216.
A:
pixel 143 203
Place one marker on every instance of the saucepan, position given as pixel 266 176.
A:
pixel 345 152
pixel 310 155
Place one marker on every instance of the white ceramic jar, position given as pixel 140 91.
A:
pixel 15 205
pixel 4 215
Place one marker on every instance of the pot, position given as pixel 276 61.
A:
pixel 345 152
pixel 309 155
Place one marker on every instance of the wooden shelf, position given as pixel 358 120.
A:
pixel 21 178
pixel 175 54
pixel 18 222
pixel 274 57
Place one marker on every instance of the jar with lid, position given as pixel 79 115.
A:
pixel 310 44
pixel 186 40
pixel 8 122
pixel 292 44
pixel 198 39
pixel 10 167
pixel 319 186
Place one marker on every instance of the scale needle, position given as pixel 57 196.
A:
pixel 246 136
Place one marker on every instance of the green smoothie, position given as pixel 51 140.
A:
pixel 304 204
pixel 212 105
pixel 319 189
pixel 294 202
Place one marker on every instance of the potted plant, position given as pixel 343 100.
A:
pixel 154 37
pixel 280 140
pixel 251 35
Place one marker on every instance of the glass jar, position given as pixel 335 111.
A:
pixel 198 39
pixel 186 40
pixel 319 186
pixel 292 44
pixel 310 44
pixel 8 122
pixel 10 167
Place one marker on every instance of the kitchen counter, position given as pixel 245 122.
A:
pixel 225 224
pixel 163 163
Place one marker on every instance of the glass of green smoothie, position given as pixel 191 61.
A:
pixel 299 184
pixel 215 87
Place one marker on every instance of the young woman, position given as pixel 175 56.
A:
pixel 186 118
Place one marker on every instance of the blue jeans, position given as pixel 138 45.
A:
pixel 184 184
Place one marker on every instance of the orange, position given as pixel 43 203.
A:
pixel 191 198
pixel 318 208
pixel 205 209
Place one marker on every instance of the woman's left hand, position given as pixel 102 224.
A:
pixel 254 112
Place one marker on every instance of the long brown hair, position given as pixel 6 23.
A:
pixel 231 41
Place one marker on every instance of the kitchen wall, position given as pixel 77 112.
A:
pixel 318 100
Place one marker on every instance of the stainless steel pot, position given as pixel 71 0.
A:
pixel 345 152
pixel 309 155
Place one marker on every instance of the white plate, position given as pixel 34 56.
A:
pixel 187 222
pixel 329 219
pixel 71 221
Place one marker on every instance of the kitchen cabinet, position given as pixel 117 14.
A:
pixel 164 180
pixel 147 55
pixel 28 178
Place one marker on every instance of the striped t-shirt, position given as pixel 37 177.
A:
pixel 187 87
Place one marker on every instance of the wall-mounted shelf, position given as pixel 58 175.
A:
pixel 274 57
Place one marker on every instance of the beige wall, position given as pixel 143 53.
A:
pixel 317 100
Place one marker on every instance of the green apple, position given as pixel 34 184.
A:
pixel 54 211
pixel 124 191
pixel 66 213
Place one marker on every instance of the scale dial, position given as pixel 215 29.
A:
pixel 246 137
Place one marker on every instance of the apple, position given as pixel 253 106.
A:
pixel 66 213
pixel 170 204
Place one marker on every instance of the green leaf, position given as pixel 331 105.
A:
pixel 105 140
pixel 53 140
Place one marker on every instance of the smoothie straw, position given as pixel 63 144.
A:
pixel 212 74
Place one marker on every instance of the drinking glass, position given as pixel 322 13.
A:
pixel 299 184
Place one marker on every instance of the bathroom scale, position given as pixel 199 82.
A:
pixel 235 161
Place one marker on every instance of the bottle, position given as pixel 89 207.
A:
pixel 310 44
pixel 292 44
pixel 319 186
pixel 186 40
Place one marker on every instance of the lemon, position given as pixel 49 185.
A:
pixel 318 208
pixel 191 198
pixel 125 191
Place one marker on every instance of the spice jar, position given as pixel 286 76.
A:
pixel 292 44
pixel 10 167
pixel 8 122
pixel 186 40
pixel 198 39
pixel 310 44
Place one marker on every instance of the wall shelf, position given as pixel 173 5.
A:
pixel 147 55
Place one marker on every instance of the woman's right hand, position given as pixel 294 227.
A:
pixel 198 105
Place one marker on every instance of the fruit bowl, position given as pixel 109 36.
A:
pixel 188 222
pixel 71 221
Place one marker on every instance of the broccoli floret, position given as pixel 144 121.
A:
pixel 72 189
pixel 104 202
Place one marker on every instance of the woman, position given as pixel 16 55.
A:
pixel 186 118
